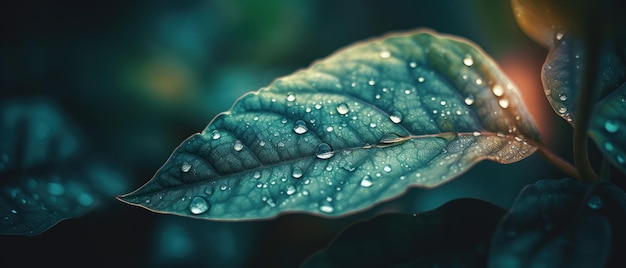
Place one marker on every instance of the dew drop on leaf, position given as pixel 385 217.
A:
pixel 611 126
pixel 299 127
pixel 238 146
pixel 290 189
pixel 297 173
pixel 185 167
pixel 396 117
pixel 198 205
pixel 324 151
pixel 366 182
pixel 291 97
pixel 469 100
pixel 342 108
pixel 256 174
pixel 216 134
pixel 387 168
pixel 497 90
pixel 385 54
pixel 55 188
pixel 420 79
pixel 326 207
pixel 504 103
pixel 594 202
pixel 468 61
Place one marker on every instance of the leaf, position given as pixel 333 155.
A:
pixel 565 66
pixel 608 127
pixel 561 223
pixel 352 130
pixel 456 233
pixel 43 176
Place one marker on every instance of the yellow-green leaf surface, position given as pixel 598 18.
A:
pixel 354 129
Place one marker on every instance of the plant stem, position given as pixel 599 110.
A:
pixel 558 162
pixel 591 41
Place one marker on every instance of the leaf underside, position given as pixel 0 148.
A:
pixel 356 128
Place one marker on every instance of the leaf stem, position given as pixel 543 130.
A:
pixel 558 162
pixel 585 100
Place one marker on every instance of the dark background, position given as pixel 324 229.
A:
pixel 138 77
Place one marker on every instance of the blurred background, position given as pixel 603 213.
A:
pixel 138 77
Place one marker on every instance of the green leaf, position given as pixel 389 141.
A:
pixel 565 66
pixel 608 127
pixel 356 128
pixel 455 234
pixel 43 176
pixel 561 223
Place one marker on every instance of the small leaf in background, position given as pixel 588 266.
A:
pixel 353 130
pixel 457 233
pixel 562 223
pixel 43 176
pixel 565 66
pixel 608 127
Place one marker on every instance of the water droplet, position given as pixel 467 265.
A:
pixel 366 182
pixel 55 188
pixel 443 102
pixel 497 90
pixel 324 151
pixel 385 54
pixel 317 106
pixel 326 207
pixel 559 35
pixel 185 167
pixel 609 147
pixel 208 190
pixel 407 91
pixel 476 134
pixel 198 205
pixel 479 81
pixel 377 96
pixel 396 117
pixel 391 138
pixel 412 64
pixel 469 100
pixel 563 109
pixel 468 61
pixel 223 187
pixel 595 202
pixel 387 168
pixel 342 108
pixel 420 79
pixel 620 159
pixel 216 134
pixel 372 125
pixel 371 82
pixel 299 127
pixel 329 129
pixel 611 126
pixel 13 211
pixel 85 199
pixel 256 174
pixel 290 190
pixel 261 143
pixel 504 103
pixel 238 146
pixel 291 97
pixel 562 97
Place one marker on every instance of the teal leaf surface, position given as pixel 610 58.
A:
pixel 354 129
pixel 562 223
pixel 608 127
pixel 456 234
pixel 565 66
pixel 43 176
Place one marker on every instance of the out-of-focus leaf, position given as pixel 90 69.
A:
pixel 456 233
pixel 561 223
pixel 43 176
pixel 608 127
pixel 565 66
pixel 352 130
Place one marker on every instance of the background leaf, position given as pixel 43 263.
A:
pixel 561 223
pixel 43 176
pixel 456 233
pixel 356 128
pixel 564 68
pixel 608 127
